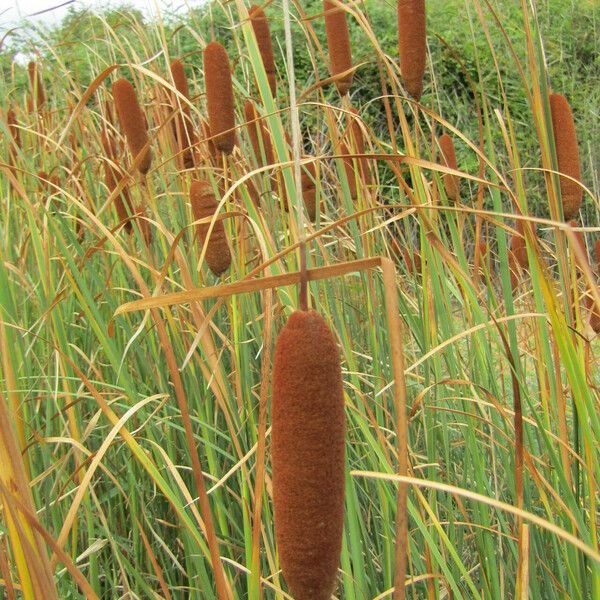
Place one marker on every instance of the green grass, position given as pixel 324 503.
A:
pixel 98 403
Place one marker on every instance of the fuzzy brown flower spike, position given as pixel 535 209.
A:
pixel 451 183
pixel 133 122
pixel 308 455
pixel 219 96
pixel 38 95
pixel 260 24
pixel 204 205
pixel 338 43
pixel 412 44
pixel 567 152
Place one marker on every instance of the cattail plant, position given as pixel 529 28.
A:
pixel 517 256
pixel 258 135
pixel 581 245
pixel 182 126
pixel 48 183
pixel 13 129
pixel 219 96
pixel 308 447
pixel 412 44
pixel 567 154
pixel 451 182
pixel 37 99
pixel 133 122
pixel 260 24
pixel 309 189
pixel 591 304
pixel 204 205
pixel 338 44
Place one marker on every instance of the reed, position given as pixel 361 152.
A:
pixel 567 154
pixel 309 189
pixel 451 182
pixel 133 123
pixel 412 44
pixel 37 99
pixel 183 126
pixel 262 32
pixel 338 44
pixel 219 96
pixel 308 455
pixel 204 205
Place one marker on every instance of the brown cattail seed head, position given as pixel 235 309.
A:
pixel 204 205
pixel 38 96
pixel 258 135
pixel 11 122
pixel 451 183
pixel 309 190
pixel 517 256
pixel 219 96
pixel 338 43
pixel 133 122
pixel 567 153
pixel 182 126
pixel 412 44
pixel 308 449
pixel 260 24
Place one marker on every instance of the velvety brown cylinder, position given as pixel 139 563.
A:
pixel 451 182
pixel 338 44
pixel 256 129
pixel 517 256
pixel 308 455
pixel 132 121
pixel 309 190
pixel 11 122
pixel 412 44
pixel 567 153
pixel 260 24
pixel 204 205
pixel 219 96
pixel 38 95
pixel 182 126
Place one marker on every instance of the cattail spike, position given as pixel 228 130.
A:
pixel 309 189
pixel 38 95
pixel 338 43
pixel 260 24
pixel 133 122
pixel 219 96
pixel 123 203
pixel 308 455
pixel 567 153
pixel 204 205
pixel 412 44
pixel 182 126
pixel 451 183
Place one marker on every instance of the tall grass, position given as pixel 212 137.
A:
pixel 141 440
